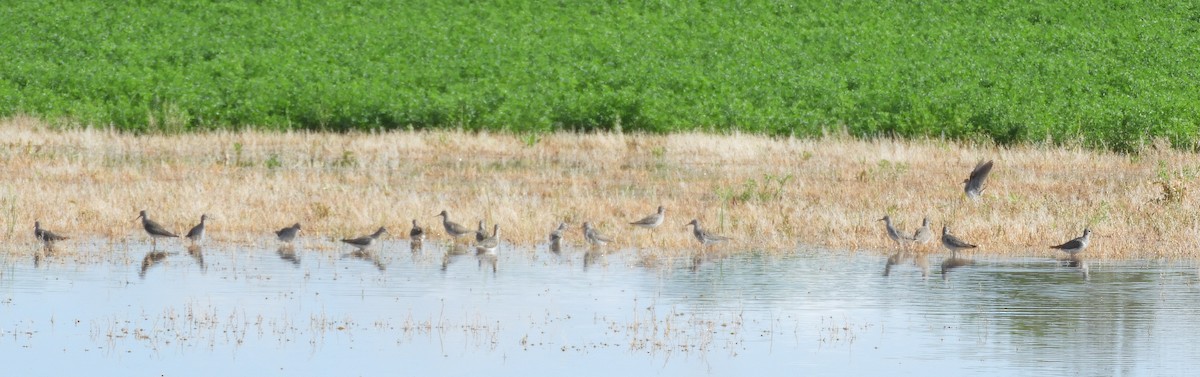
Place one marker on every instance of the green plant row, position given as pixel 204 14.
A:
pixel 1110 74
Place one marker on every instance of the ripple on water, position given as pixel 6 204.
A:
pixel 306 311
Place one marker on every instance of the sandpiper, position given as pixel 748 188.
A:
pixel 704 236
pixel 288 234
pixel 652 221
pixel 954 243
pixel 923 235
pixel 557 235
pixel 366 241
pixel 417 234
pixel 892 233
pixel 47 237
pixel 455 230
pixel 1077 245
pixel 197 232
pixel 480 234
pixel 594 237
pixel 489 244
pixel 975 183
pixel 153 229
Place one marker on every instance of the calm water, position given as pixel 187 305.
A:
pixel 242 310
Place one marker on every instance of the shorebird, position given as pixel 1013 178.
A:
pixel 594 237
pixel 557 235
pixel 153 229
pixel 288 234
pixel 489 244
pixel 366 241
pixel 892 233
pixel 975 183
pixel 197 232
pixel 652 221
pixel 480 233
pixel 47 237
pixel 923 235
pixel 417 234
pixel 704 236
pixel 455 230
pixel 1077 245
pixel 954 243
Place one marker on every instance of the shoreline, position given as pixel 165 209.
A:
pixel 767 193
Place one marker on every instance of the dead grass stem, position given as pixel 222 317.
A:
pixel 767 193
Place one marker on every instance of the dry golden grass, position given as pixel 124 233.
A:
pixel 768 193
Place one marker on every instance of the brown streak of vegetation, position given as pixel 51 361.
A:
pixel 766 193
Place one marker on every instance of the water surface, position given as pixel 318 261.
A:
pixel 119 309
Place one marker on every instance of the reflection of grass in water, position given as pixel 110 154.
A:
pixel 768 193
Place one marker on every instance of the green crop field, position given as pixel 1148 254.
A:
pixel 1107 74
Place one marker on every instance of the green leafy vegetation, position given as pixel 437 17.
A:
pixel 1106 74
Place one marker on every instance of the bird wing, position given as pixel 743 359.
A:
pixel 457 228
pixel 648 220
pixel 357 241
pixel 956 242
pixel 978 176
pixel 1072 244
pixel 195 231
pixel 489 243
pixel 715 238
pixel 600 237
pixel 921 234
pixel 155 228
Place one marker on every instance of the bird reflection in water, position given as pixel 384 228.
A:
pixel 1077 261
pixel 487 258
pixel 42 254
pixel 369 256
pixel 954 262
pixel 287 252
pixel 706 256
pixel 592 256
pixel 151 259
pixel 197 254
pixel 918 259
pixel 455 251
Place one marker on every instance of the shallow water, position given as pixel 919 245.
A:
pixel 243 310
